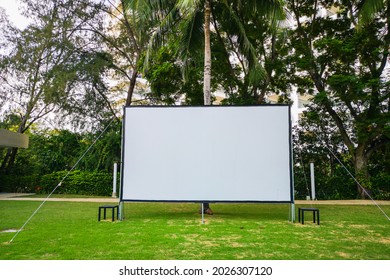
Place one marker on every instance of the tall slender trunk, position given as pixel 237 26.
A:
pixel 207 62
pixel 207 54
pixel 130 91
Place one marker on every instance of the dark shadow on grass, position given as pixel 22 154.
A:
pixel 231 211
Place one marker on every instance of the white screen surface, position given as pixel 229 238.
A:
pixel 215 153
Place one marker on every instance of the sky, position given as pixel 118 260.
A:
pixel 11 8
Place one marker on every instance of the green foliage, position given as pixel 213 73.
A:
pixel 42 166
pixel 19 184
pixel 239 43
pixel 332 182
pixel 167 84
pixel 343 69
pixel 55 66
pixel 381 186
pixel 77 182
pixel 56 150
pixel 316 140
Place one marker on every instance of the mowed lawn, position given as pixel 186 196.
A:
pixel 173 231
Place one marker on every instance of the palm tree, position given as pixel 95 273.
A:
pixel 195 18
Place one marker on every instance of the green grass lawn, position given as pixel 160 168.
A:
pixel 168 231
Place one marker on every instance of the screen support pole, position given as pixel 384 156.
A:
pixel 121 211
pixel 292 212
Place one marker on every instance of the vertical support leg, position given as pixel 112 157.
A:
pixel 99 215
pixel 292 211
pixel 312 181
pixel 121 211
pixel 105 211
pixel 299 215
pixel 115 172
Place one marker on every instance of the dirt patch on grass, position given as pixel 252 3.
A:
pixel 359 226
pixel 384 241
pixel 343 255
pixel 228 240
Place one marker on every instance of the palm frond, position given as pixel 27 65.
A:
pixel 189 6
pixel 247 48
pixel 192 38
pixel 165 15
pixel 368 10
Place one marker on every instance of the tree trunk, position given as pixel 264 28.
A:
pixel 207 54
pixel 361 172
pixel 130 91
pixel 207 62
pixel 10 156
pixel 9 160
pixel 5 160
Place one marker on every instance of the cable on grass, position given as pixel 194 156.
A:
pixel 63 179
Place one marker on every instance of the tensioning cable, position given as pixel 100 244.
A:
pixel 353 177
pixel 59 184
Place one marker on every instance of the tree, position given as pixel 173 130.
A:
pixel 255 55
pixel 315 139
pixel 344 69
pixel 165 87
pixel 190 20
pixel 125 38
pixel 50 67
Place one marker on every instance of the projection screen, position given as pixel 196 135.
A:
pixel 207 154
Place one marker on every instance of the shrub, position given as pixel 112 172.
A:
pixel 19 184
pixel 381 186
pixel 77 182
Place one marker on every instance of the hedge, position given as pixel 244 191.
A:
pixel 100 184
pixel 18 184
pixel 77 182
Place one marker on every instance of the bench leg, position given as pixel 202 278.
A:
pixel 318 217
pixel 99 214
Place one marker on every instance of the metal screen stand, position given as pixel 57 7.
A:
pixel 121 211
pixel 292 212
